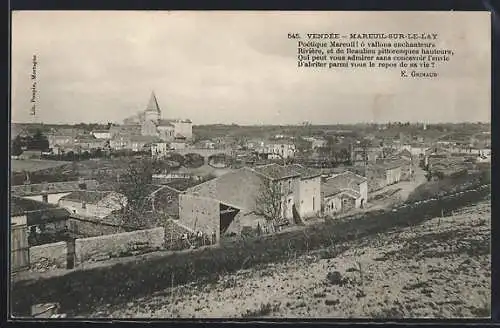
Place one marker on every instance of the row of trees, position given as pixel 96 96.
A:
pixel 93 153
pixel 36 141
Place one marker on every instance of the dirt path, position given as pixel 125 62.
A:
pixel 405 188
pixel 440 268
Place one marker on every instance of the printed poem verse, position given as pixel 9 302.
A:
pixel 411 55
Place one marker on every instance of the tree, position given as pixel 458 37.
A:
pixel 38 142
pixel 17 146
pixel 134 186
pixel 269 200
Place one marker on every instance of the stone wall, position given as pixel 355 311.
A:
pixel 118 245
pixel 49 255
pixel 88 227
pixel 200 213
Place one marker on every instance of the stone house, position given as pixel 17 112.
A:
pixel 338 200
pixel 308 193
pixel 380 175
pixel 345 184
pixel 222 205
pixel 392 173
pixel 279 150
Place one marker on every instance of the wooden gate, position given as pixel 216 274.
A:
pixel 19 259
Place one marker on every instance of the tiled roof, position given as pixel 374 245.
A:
pixel 87 196
pixel 276 172
pixel 52 187
pixel 332 189
pixel 306 172
pixel 353 176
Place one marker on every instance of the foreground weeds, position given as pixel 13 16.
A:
pixel 80 292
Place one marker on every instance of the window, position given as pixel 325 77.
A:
pixel 313 203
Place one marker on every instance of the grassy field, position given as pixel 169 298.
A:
pixel 33 165
pixel 437 269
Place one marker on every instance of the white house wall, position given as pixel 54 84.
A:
pixel 309 197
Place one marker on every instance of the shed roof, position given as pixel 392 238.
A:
pixel 18 205
pixel 35 211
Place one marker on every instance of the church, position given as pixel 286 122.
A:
pixel 149 123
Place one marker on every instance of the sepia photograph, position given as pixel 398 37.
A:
pixel 250 165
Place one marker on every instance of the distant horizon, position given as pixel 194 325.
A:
pixel 296 124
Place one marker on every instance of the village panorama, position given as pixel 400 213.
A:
pixel 158 217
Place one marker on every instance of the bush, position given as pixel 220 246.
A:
pixel 462 181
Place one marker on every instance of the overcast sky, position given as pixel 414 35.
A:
pixel 238 67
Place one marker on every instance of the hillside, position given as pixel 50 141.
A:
pixel 439 268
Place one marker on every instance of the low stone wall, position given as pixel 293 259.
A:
pixel 90 227
pixel 49 255
pixel 123 244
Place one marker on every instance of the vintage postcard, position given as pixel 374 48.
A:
pixel 189 164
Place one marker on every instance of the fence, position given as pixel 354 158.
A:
pixel 19 249
pixel 118 245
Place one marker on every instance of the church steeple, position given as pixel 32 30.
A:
pixel 153 104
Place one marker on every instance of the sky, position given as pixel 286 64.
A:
pixel 238 67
